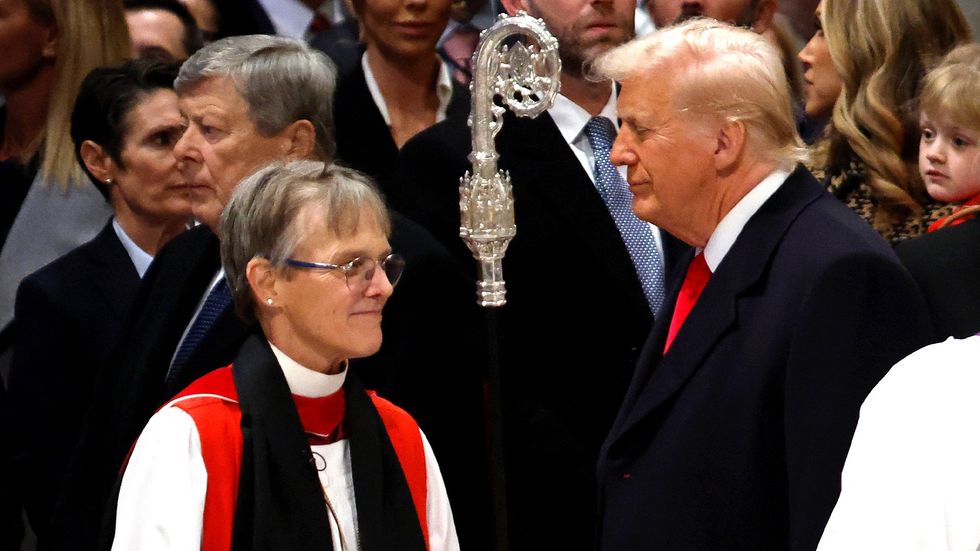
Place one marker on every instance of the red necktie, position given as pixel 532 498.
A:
pixel 319 24
pixel 696 278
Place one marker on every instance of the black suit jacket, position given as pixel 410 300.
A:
pixel 735 438
pixel 241 17
pixel 946 265
pixel 131 387
pixel 340 43
pixel 69 314
pixel 573 324
pixel 11 527
pixel 364 141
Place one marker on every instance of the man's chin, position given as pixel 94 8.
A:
pixel 207 215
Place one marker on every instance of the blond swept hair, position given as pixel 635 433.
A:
pixel 91 33
pixel 881 65
pixel 952 88
pixel 717 70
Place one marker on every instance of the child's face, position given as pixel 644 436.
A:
pixel 949 158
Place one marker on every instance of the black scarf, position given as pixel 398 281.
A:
pixel 280 502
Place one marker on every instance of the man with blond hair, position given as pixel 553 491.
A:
pixel 737 421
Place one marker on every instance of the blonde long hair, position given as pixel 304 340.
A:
pixel 881 65
pixel 952 88
pixel 91 33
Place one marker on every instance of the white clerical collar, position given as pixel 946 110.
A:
pixel 307 382
pixel 444 90
pixel 571 119
pixel 141 259
pixel 731 225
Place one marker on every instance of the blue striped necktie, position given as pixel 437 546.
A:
pixel 217 302
pixel 637 234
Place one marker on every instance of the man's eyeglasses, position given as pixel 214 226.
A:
pixel 360 271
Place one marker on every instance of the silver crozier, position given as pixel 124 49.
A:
pixel 515 65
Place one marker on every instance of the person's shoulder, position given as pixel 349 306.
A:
pixel 962 237
pixel 193 243
pixel 61 275
pixel 830 229
pixel 392 415
pixel 942 376
pixel 451 134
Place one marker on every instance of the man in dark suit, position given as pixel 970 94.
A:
pixel 736 424
pixel 946 266
pixel 577 309
pixel 220 147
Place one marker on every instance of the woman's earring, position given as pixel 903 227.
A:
pixel 108 181
pixel 269 301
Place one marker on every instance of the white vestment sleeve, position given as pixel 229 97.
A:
pixel 442 529
pixel 912 477
pixel 161 500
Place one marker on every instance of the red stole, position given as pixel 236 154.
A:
pixel 218 423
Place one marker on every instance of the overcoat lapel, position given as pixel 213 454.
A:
pixel 658 377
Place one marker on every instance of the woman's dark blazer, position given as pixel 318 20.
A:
pixel 364 141
pixel 69 315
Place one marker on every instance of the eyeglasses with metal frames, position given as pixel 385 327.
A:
pixel 359 272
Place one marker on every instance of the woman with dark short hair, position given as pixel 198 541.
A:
pixel 71 313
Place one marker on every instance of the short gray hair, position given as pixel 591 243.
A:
pixel 281 80
pixel 718 70
pixel 271 212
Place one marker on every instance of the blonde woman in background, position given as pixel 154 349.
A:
pixel 866 82
pixel 47 206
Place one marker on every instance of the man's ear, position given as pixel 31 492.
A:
pixel 262 280
pixel 300 140
pixel 765 11
pixel 97 160
pixel 729 145
pixel 513 6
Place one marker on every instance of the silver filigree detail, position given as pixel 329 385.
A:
pixel 524 77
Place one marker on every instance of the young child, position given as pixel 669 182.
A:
pixel 949 149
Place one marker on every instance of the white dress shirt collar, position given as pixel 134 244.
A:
pixel 731 225
pixel 307 382
pixel 444 90
pixel 141 259
pixel 292 18
pixel 571 119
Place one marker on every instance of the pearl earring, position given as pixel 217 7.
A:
pixel 269 301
